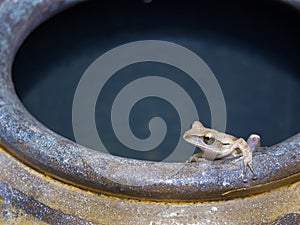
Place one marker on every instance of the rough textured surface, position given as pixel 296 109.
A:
pixel 10 215
pixel 36 145
pixel 293 218
pixel 144 192
pixel 54 202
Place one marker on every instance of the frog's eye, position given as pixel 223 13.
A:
pixel 209 139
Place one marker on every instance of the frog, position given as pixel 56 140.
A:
pixel 217 145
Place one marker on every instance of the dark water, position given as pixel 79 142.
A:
pixel 252 48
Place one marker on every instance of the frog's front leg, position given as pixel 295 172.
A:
pixel 242 145
pixel 253 142
pixel 196 157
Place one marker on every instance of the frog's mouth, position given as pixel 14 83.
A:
pixel 193 139
pixel 197 141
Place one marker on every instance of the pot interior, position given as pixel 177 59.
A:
pixel 252 47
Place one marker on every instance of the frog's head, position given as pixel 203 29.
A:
pixel 199 136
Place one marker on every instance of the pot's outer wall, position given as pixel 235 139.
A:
pixel 58 157
pixel 27 196
pixel 35 145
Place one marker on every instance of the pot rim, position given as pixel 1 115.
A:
pixel 33 143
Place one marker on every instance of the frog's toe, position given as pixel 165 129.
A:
pixel 245 180
pixel 192 159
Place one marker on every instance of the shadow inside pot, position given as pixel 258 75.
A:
pixel 252 48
